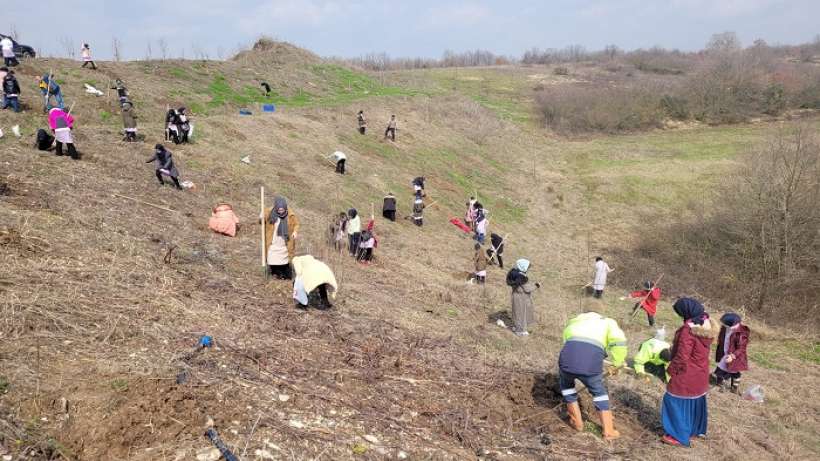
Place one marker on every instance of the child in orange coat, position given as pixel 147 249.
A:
pixel 224 220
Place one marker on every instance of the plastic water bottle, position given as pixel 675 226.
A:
pixel 754 394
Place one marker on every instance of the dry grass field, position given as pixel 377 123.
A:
pixel 102 299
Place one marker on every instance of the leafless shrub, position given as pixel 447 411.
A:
pixel 582 109
pixel 67 45
pixel 163 48
pixel 116 49
pixel 755 242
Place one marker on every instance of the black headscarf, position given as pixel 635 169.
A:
pixel 691 310
pixel 352 213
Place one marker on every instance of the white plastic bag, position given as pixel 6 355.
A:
pixel 754 394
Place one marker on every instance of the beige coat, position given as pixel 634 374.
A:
pixel 522 307
pixel 293 228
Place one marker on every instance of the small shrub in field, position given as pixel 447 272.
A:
pixel 675 107
pixel 561 71
pixel 774 99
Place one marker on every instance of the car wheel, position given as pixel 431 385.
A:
pixel 27 55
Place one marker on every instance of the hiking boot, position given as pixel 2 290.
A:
pixel 608 426
pixel 575 419
pixel 735 388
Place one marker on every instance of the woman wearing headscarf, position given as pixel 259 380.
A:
pixel 62 124
pixel 164 163
pixel 354 231
pixel 683 411
pixel 522 289
pixel 281 232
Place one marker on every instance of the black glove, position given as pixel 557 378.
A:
pixel 537 285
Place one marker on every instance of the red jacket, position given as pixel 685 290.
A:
pixel 689 368
pixel 737 346
pixel 650 304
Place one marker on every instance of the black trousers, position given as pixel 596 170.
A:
pixel 649 318
pixel 176 181
pixel 72 151
pixel 598 293
pixel 362 129
pixel 340 166
pixel 389 214
pixel 353 243
pixel 656 370
pixel 93 66
pixel 418 221
pixel 390 132
pixel 365 254
pixel 281 272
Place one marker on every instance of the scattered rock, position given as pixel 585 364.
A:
pixel 296 424
pixel 501 323
pixel 263 454
pixel 208 454
pixel 402 455
pixel 372 439
pixel 284 397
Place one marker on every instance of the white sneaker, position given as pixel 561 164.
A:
pixel 522 333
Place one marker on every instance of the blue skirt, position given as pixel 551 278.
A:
pixel 684 418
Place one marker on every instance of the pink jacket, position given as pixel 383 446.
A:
pixel 223 220
pixel 56 114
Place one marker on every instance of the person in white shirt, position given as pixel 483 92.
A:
pixel 340 159
pixel 85 52
pixel 7 46
pixel 601 271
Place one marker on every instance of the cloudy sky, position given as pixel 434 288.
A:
pixel 400 28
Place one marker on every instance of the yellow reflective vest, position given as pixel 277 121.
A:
pixel 650 353
pixel 593 328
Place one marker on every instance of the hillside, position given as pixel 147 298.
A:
pixel 103 298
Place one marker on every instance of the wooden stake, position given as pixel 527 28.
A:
pixel 262 221
pixel 145 203
pixel 72 107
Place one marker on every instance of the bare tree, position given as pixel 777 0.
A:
pixel 724 42
pixel 163 48
pixel 148 51
pixel 116 49
pixel 14 33
pixel 67 46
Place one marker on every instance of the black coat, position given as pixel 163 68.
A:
pixel 10 85
pixel 516 279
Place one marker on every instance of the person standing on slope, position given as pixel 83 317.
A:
pixel 164 164
pixel 354 231
pixel 62 124
pixel 522 307
pixel 362 122
pixel 684 413
pixel 496 251
pixel 129 122
pixel 602 269
pixel 731 352
pixel 418 210
pixel 281 233
pixel 85 53
pixel 649 298
pixel 7 47
pixel 588 338
pixel 392 126
pixel 11 91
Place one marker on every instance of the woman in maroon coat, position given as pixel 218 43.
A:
pixel 683 412
pixel 731 351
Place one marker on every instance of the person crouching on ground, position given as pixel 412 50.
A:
pixel 389 207
pixel 164 163
pixel 522 289
pixel 61 124
pixel 731 352
pixel 313 277
pixel 281 232
pixel 588 338
pixel 653 357
pixel 224 220
pixel 480 261
pixel 340 159
pixel 684 412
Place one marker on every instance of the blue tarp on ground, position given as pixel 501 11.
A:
pixel 268 108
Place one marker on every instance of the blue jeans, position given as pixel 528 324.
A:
pixel 594 383
pixel 479 238
pixel 58 98
pixel 12 101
